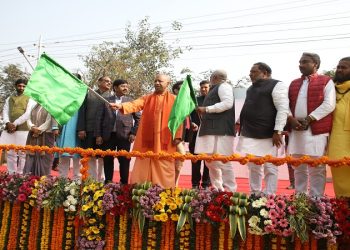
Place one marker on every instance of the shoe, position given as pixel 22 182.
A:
pixel 290 187
pixel 55 164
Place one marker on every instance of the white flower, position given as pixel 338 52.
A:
pixel 263 200
pixel 253 220
pixel 72 191
pixel 70 197
pixel 268 222
pixel 72 208
pixel 256 204
pixel 66 203
pixel 264 213
pixel 73 202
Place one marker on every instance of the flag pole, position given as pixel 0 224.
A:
pixel 97 94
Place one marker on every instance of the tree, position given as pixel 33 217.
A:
pixel 8 75
pixel 137 58
pixel 330 73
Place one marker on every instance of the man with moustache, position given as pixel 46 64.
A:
pixel 115 130
pixel 311 102
pixel 262 119
pixel 153 134
pixel 16 112
pixel 87 121
pixel 339 143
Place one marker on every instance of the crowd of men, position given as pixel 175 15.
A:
pixel 313 110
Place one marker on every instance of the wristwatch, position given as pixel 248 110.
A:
pixel 279 132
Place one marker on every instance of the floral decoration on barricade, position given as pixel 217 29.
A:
pixel 91 205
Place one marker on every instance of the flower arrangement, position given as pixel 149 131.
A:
pixel 168 205
pixel 92 211
pixel 341 210
pixel 117 198
pixel 41 192
pixel 322 221
pixel 279 215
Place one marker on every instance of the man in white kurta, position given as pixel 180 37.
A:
pixel 302 140
pixel 16 112
pixel 262 120
pixel 216 133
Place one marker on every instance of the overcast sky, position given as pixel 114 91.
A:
pixel 225 34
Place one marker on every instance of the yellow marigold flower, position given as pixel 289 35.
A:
pixel 93 186
pixel 100 213
pixel 172 206
pixel 101 225
pixel 43 178
pixel 98 194
pixel 92 221
pixel 86 189
pixel 95 209
pixel 178 201
pixel 168 191
pixel 85 208
pixel 91 237
pixel 95 230
pixel 177 191
pixel 87 231
pixel 31 202
pixel 163 217
pixel 174 217
pixel 158 206
pixel 169 211
pixel 157 217
pixel 34 192
pixel 163 195
pixel 99 203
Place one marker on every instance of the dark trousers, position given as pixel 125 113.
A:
pixel 196 168
pixel 124 163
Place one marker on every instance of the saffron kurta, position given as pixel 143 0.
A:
pixel 160 172
pixel 339 143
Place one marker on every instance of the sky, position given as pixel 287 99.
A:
pixel 222 34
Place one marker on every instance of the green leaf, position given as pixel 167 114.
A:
pixel 141 220
pixel 233 225
pixel 181 221
pixel 242 227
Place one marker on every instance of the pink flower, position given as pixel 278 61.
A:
pixel 291 210
pixel 22 197
pixel 287 232
pixel 273 214
pixel 283 223
pixel 269 229
pixel 281 204
pixel 270 203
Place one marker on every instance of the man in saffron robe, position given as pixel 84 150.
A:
pixel 153 134
pixel 339 143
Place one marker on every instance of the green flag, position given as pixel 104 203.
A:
pixel 184 104
pixel 56 89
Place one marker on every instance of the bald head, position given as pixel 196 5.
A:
pixel 161 83
pixel 218 76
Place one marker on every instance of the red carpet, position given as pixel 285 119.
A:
pixel 242 183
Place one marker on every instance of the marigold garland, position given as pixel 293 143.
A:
pixel 5 223
pixel 15 221
pixel 24 233
pixel 34 228
pixel 86 153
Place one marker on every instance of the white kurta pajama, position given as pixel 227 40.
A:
pixel 221 174
pixel 16 160
pixel 262 147
pixel 305 143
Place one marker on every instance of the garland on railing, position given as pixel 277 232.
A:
pixel 85 153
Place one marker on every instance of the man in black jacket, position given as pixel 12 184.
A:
pixel 197 177
pixel 115 130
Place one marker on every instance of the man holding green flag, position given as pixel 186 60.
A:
pixel 185 103
pixel 56 89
